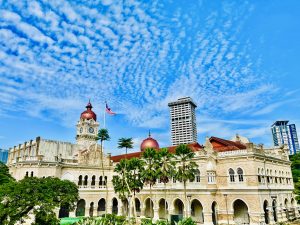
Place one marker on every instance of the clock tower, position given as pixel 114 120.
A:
pixel 87 128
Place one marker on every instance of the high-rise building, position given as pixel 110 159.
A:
pixel 183 121
pixel 3 155
pixel 284 133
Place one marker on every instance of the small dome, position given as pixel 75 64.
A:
pixel 149 143
pixel 88 113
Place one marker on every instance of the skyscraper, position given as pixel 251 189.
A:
pixel 3 155
pixel 183 121
pixel 284 133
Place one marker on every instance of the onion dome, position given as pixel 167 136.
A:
pixel 149 143
pixel 88 113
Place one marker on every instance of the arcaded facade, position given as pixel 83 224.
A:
pixel 237 181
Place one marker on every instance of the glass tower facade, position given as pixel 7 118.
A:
pixel 3 155
pixel 284 133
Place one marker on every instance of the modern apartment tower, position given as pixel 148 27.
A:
pixel 183 121
pixel 284 133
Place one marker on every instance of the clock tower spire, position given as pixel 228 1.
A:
pixel 87 127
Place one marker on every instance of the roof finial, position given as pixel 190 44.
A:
pixel 149 133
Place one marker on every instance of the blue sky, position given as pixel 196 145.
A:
pixel 238 60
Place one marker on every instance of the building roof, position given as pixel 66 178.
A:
pixel 117 158
pixel 222 145
pixel 219 145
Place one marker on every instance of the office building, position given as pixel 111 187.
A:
pixel 3 155
pixel 183 121
pixel 284 133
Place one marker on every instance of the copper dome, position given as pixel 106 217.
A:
pixel 149 143
pixel 88 113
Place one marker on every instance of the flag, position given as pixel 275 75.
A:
pixel 108 110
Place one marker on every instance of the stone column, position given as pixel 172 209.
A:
pixel 155 213
pixel 280 214
pixel 143 208
pixel 271 216
pixel 87 211
pixel 207 216
pixel 72 214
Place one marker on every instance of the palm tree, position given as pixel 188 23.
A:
pixel 126 143
pixel 119 181
pixel 150 174
pixel 103 136
pixel 167 167
pixel 186 168
pixel 135 169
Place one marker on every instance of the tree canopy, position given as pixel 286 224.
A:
pixel 31 194
pixel 295 160
pixel 5 177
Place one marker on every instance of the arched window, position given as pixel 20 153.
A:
pixel 105 180
pixel 31 174
pixel 197 176
pixel 80 180
pixel 240 174
pixel 100 181
pixel 26 174
pixel 231 175
pixel 93 180
pixel 85 182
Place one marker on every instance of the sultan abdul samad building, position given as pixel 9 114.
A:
pixel 237 181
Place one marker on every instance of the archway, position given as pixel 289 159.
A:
pixel 240 212
pixel 64 211
pixel 286 208
pixel 163 209
pixel 149 208
pixel 91 211
pixel 137 206
pixel 214 213
pixel 266 212
pixel 114 206
pixel 274 207
pixel 293 207
pixel 197 211
pixel 101 207
pixel 80 209
pixel 178 207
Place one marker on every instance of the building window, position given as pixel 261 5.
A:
pixel 211 177
pixel 231 175
pixel 93 180
pixel 240 174
pixel 80 180
pixel 85 180
pixel 197 176
pixel 26 174
pixel 31 174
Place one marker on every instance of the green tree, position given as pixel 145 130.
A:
pixel 39 195
pixel 5 176
pixel 166 168
pixel 135 170
pixel 120 180
pixel 150 173
pixel 186 168
pixel 103 135
pixel 126 143
pixel 295 160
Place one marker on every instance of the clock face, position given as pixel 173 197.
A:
pixel 91 130
pixel 80 130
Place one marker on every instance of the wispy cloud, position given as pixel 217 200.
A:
pixel 138 55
